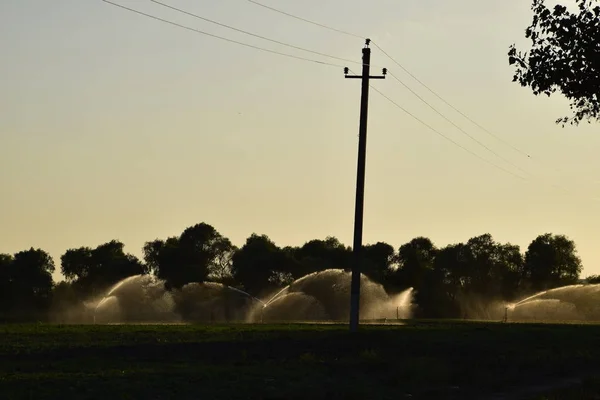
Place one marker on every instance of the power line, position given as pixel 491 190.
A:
pixel 446 137
pixel 560 188
pixel 397 63
pixel 312 61
pixel 306 20
pixel 221 37
pixel 299 58
pixel 252 34
pixel 526 154
pixel 455 125
pixel 448 103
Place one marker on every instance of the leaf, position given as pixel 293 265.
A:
pixel 564 56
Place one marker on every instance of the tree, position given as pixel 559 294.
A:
pixel 493 268
pixel 198 254
pixel 94 270
pixel 416 269
pixel 565 56
pixel 592 279
pixel 486 274
pixel 551 261
pixel 66 306
pixel 6 288
pixel 379 261
pixel 220 266
pixel 511 258
pixel 320 255
pixel 260 265
pixel 415 258
pixel 452 266
pixel 162 256
pixel 26 283
pixel 76 265
pixel 443 286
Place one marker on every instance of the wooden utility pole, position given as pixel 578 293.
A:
pixel 360 183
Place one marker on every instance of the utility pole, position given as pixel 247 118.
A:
pixel 360 183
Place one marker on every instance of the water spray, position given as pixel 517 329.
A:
pixel 319 296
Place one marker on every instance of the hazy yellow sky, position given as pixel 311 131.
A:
pixel 115 126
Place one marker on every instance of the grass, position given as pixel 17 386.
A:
pixel 427 359
pixel 589 389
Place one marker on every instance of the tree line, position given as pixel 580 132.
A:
pixel 449 282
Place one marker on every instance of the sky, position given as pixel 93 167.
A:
pixel 117 126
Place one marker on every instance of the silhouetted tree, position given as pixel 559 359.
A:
pixel 26 284
pixel 551 261
pixel 460 279
pixel 66 306
pixel 94 270
pixel 379 261
pixel 565 56
pixel 163 256
pixel 220 266
pixel 448 281
pixel 6 288
pixel 415 259
pixel 199 253
pixel 5 285
pixel 466 278
pixel 319 255
pixel 593 279
pixel 511 258
pixel 484 273
pixel 260 265
pixel 32 279
pixel 493 269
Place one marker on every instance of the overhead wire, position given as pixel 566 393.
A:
pixel 516 149
pixel 305 20
pixel 342 59
pixel 211 21
pixel 437 132
pixel 456 109
pixel 221 37
pixel 455 125
pixel 279 11
pixel 445 137
pixel 471 137
pixel 448 103
pixel 295 57
pixel 306 60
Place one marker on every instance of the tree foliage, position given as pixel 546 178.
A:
pixel 459 276
pixel 415 261
pixel 25 284
pixel 93 270
pixel 457 280
pixel 379 261
pixel 593 279
pixel 198 253
pixel 261 266
pixel 551 261
pixel 319 255
pixel 564 56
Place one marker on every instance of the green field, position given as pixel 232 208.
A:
pixel 422 359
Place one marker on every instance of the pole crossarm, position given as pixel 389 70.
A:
pixel 360 77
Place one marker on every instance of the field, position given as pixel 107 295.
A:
pixel 425 359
